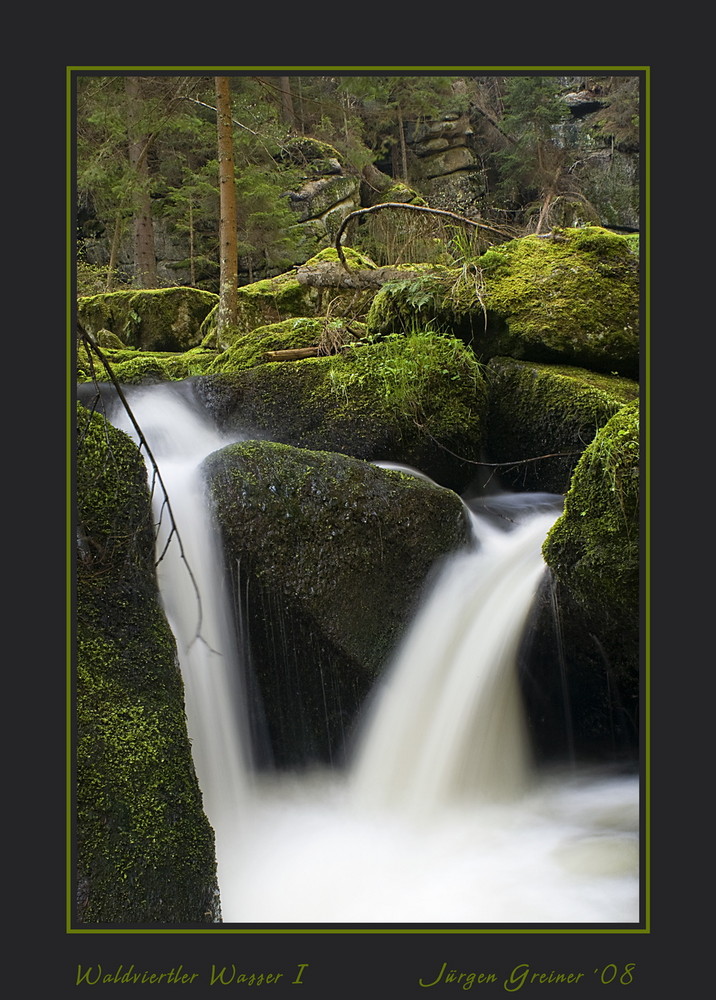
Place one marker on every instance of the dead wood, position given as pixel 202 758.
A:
pixel 406 206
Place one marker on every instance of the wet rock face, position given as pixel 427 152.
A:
pixel 547 410
pixel 327 556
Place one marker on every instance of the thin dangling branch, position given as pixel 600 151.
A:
pixel 495 465
pixel 93 347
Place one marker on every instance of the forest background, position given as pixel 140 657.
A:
pixel 536 151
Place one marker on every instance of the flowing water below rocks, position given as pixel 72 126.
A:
pixel 439 816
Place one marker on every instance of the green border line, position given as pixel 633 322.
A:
pixel 645 776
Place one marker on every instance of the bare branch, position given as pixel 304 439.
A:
pixel 496 465
pixel 211 107
pixel 407 207
pixel 93 347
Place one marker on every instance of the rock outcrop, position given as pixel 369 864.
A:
pixel 329 556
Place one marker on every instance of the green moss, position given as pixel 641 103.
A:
pixel 249 350
pixel 157 319
pixel 316 157
pixel 593 549
pixel 569 298
pixel 400 192
pixel 354 258
pixel 551 410
pixel 132 367
pixel 408 375
pixel 273 300
pixel 423 299
pixel 145 851
pixel 419 400
pixel 573 296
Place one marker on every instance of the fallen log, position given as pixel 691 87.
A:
pixel 297 353
pixel 292 354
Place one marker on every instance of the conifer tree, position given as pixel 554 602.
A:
pixel 228 240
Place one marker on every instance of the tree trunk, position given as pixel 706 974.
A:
pixel 403 148
pixel 113 253
pixel 287 113
pixel 228 236
pixel 145 258
pixel 192 262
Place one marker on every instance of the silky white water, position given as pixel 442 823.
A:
pixel 439 816
pixel 192 587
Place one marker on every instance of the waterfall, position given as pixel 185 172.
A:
pixel 198 607
pixel 439 817
pixel 447 720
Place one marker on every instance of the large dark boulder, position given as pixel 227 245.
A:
pixel 328 556
pixel 145 849
pixel 583 681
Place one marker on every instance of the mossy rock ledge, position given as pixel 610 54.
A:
pixel 551 410
pixel 593 554
pixel 133 367
pixel 156 319
pixel 418 400
pixel 145 849
pixel 328 557
pixel 290 295
pixel 568 298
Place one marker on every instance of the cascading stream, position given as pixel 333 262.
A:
pixel 192 588
pixel 447 721
pixel 439 818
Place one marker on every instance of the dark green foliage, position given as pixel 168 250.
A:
pixel 533 157
pixel 532 110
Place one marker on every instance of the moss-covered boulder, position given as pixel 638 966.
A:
pixel 594 547
pixel 584 676
pixel 312 157
pixel 552 410
pixel 328 556
pixel 287 296
pixel 418 400
pixel 572 297
pixel 145 849
pixel 132 367
pixel 158 319
pixel 249 349
pixel 568 298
